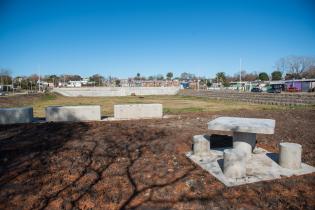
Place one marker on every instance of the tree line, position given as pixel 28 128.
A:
pixel 290 67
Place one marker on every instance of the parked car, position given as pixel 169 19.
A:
pixel 293 89
pixel 2 93
pixel 256 90
pixel 273 90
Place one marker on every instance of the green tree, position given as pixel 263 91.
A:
pixel 169 75
pixel 220 77
pixel 151 78
pixel 263 76
pixel 5 77
pixel 97 79
pixel 117 83
pixel 208 83
pixel 24 82
pixel 159 77
pixel 276 75
pixel 187 76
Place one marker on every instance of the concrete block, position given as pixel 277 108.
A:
pixel 245 125
pixel 16 115
pixel 73 113
pixel 234 165
pixel 201 145
pixel 138 111
pixel 290 155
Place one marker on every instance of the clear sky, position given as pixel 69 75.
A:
pixel 121 38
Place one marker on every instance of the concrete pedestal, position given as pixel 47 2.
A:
pixel 201 145
pixel 234 163
pixel 245 142
pixel 290 155
pixel 138 111
pixel 73 113
pixel 16 115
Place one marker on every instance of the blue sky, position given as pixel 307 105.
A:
pixel 121 38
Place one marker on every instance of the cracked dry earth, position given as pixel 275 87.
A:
pixel 141 165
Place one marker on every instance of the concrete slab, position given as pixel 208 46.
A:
pixel 138 111
pixel 245 125
pixel 116 91
pixel 16 115
pixel 73 113
pixel 262 166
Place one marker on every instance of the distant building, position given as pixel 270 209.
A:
pixel 301 85
pixel 6 87
pixel 50 84
pixel 245 85
pixel 85 81
pixel 74 84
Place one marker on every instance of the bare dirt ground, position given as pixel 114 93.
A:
pixel 141 165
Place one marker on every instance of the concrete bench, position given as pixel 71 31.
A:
pixel 138 111
pixel 244 130
pixel 73 113
pixel 16 115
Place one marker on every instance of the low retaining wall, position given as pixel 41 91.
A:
pixel 72 113
pixel 116 91
pixel 138 111
pixel 16 115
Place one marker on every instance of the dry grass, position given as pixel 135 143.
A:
pixel 171 104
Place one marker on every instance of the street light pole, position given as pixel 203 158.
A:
pixel 39 78
pixel 240 72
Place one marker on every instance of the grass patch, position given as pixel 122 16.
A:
pixel 48 96
pixel 182 110
pixel 171 104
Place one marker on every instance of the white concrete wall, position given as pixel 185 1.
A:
pixel 73 113
pixel 16 115
pixel 116 91
pixel 138 111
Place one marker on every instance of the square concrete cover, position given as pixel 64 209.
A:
pixel 262 166
pixel 246 125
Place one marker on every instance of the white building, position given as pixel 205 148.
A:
pixel 74 84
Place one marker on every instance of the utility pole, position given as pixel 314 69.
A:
pixel 12 86
pixel 240 70
pixel 39 78
pixel 240 73
pixel 198 76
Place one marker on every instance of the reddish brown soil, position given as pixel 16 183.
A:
pixel 141 164
pixel 18 100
